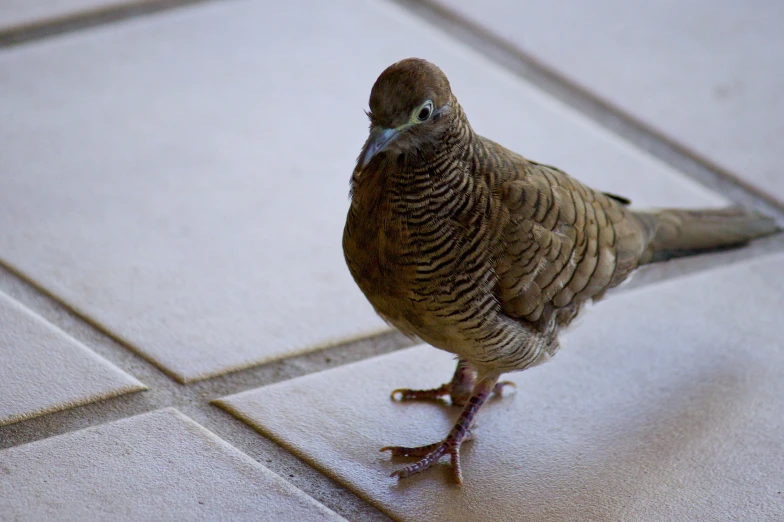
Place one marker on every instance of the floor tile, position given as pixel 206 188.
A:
pixel 14 13
pixel 157 466
pixel 666 403
pixel 43 370
pixel 707 73
pixel 193 190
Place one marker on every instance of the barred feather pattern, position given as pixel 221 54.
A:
pixel 481 252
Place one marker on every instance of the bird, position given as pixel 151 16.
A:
pixel 481 252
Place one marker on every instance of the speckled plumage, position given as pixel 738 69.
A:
pixel 481 252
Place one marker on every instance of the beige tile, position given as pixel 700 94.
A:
pixel 707 73
pixel 158 466
pixel 666 403
pixel 182 179
pixel 14 13
pixel 43 370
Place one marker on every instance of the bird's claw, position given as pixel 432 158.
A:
pixel 430 454
pixel 442 392
pixel 498 389
pixel 405 394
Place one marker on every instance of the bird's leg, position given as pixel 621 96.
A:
pixel 458 389
pixel 460 432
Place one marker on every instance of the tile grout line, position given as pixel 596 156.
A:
pixel 119 353
pixel 85 318
pixel 605 113
pixel 132 348
pixel 73 22
pixel 192 399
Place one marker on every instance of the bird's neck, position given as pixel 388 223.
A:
pixel 398 181
pixel 440 160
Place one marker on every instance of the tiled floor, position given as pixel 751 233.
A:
pixel 207 165
pixel 157 466
pixel 15 13
pixel 172 194
pixel 43 370
pixel 707 73
pixel 664 405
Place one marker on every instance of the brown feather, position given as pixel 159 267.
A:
pixel 479 251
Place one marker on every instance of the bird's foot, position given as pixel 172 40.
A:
pixel 456 394
pixel 430 454
pixel 434 394
pixel 459 433
pixel 498 389
pixel 458 390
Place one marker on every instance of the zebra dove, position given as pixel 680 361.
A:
pixel 481 252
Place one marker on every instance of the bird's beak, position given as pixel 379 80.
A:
pixel 377 141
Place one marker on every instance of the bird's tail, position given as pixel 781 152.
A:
pixel 679 233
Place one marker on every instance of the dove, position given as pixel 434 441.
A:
pixel 478 251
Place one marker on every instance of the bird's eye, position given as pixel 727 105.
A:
pixel 425 111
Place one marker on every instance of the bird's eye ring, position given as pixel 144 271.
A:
pixel 425 111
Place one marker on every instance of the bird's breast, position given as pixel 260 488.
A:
pixel 373 241
pixel 411 257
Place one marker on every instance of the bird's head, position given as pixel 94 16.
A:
pixel 409 110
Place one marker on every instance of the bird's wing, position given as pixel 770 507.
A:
pixel 563 243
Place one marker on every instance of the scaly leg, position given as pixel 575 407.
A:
pixel 458 389
pixel 460 432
